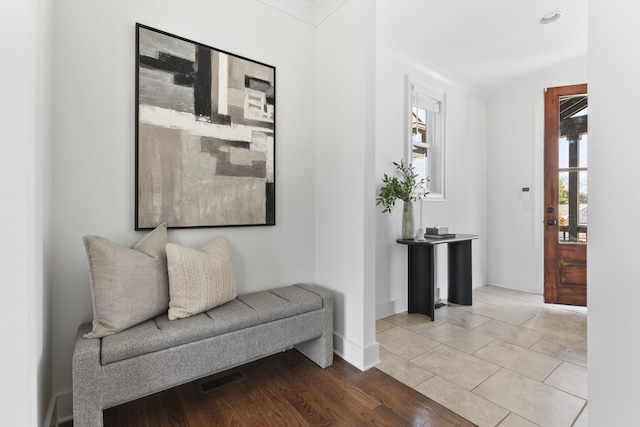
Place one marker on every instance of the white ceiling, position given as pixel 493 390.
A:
pixel 485 42
pixel 310 11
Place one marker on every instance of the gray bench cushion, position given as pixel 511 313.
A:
pixel 247 310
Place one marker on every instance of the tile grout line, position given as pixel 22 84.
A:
pixel 580 413
pixel 486 299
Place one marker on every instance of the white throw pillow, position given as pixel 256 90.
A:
pixel 199 279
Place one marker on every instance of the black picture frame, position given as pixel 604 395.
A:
pixel 205 135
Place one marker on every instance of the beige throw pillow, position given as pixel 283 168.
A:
pixel 128 285
pixel 199 279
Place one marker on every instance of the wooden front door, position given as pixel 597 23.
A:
pixel 565 195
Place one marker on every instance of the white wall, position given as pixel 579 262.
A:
pixel 345 199
pixel 93 160
pixel 613 291
pixel 514 161
pixel 25 114
pixel 464 210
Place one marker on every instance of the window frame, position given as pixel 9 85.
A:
pixel 436 148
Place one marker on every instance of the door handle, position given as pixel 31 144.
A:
pixel 552 222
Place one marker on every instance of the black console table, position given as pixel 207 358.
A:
pixel 421 257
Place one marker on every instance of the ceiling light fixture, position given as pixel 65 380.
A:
pixel 550 18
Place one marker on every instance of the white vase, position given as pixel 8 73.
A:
pixel 407 221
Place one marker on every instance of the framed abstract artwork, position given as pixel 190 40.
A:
pixel 205 135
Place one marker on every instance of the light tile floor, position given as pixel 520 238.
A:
pixel 508 360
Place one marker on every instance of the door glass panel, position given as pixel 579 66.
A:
pixel 572 170
pixel 584 139
pixel 563 206
pixel 563 153
pixel 583 208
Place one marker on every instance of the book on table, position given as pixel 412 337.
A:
pixel 437 230
pixel 439 236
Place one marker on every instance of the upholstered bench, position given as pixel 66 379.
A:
pixel 159 354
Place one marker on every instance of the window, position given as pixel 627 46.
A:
pixel 426 138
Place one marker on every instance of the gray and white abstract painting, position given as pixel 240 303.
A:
pixel 205 139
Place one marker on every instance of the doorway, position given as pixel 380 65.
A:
pixel 566 195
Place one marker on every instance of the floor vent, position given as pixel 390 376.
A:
pixel 222 380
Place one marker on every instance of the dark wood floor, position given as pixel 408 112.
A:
pixel 288 390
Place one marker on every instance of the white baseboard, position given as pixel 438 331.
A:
pixel 389 308
pixel 529 286
pixel 478 281
pixel 51 418
pixel 371 356
pixel 60 409
pixel 362 358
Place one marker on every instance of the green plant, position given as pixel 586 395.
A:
pixel 563 197
pixel 403 189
